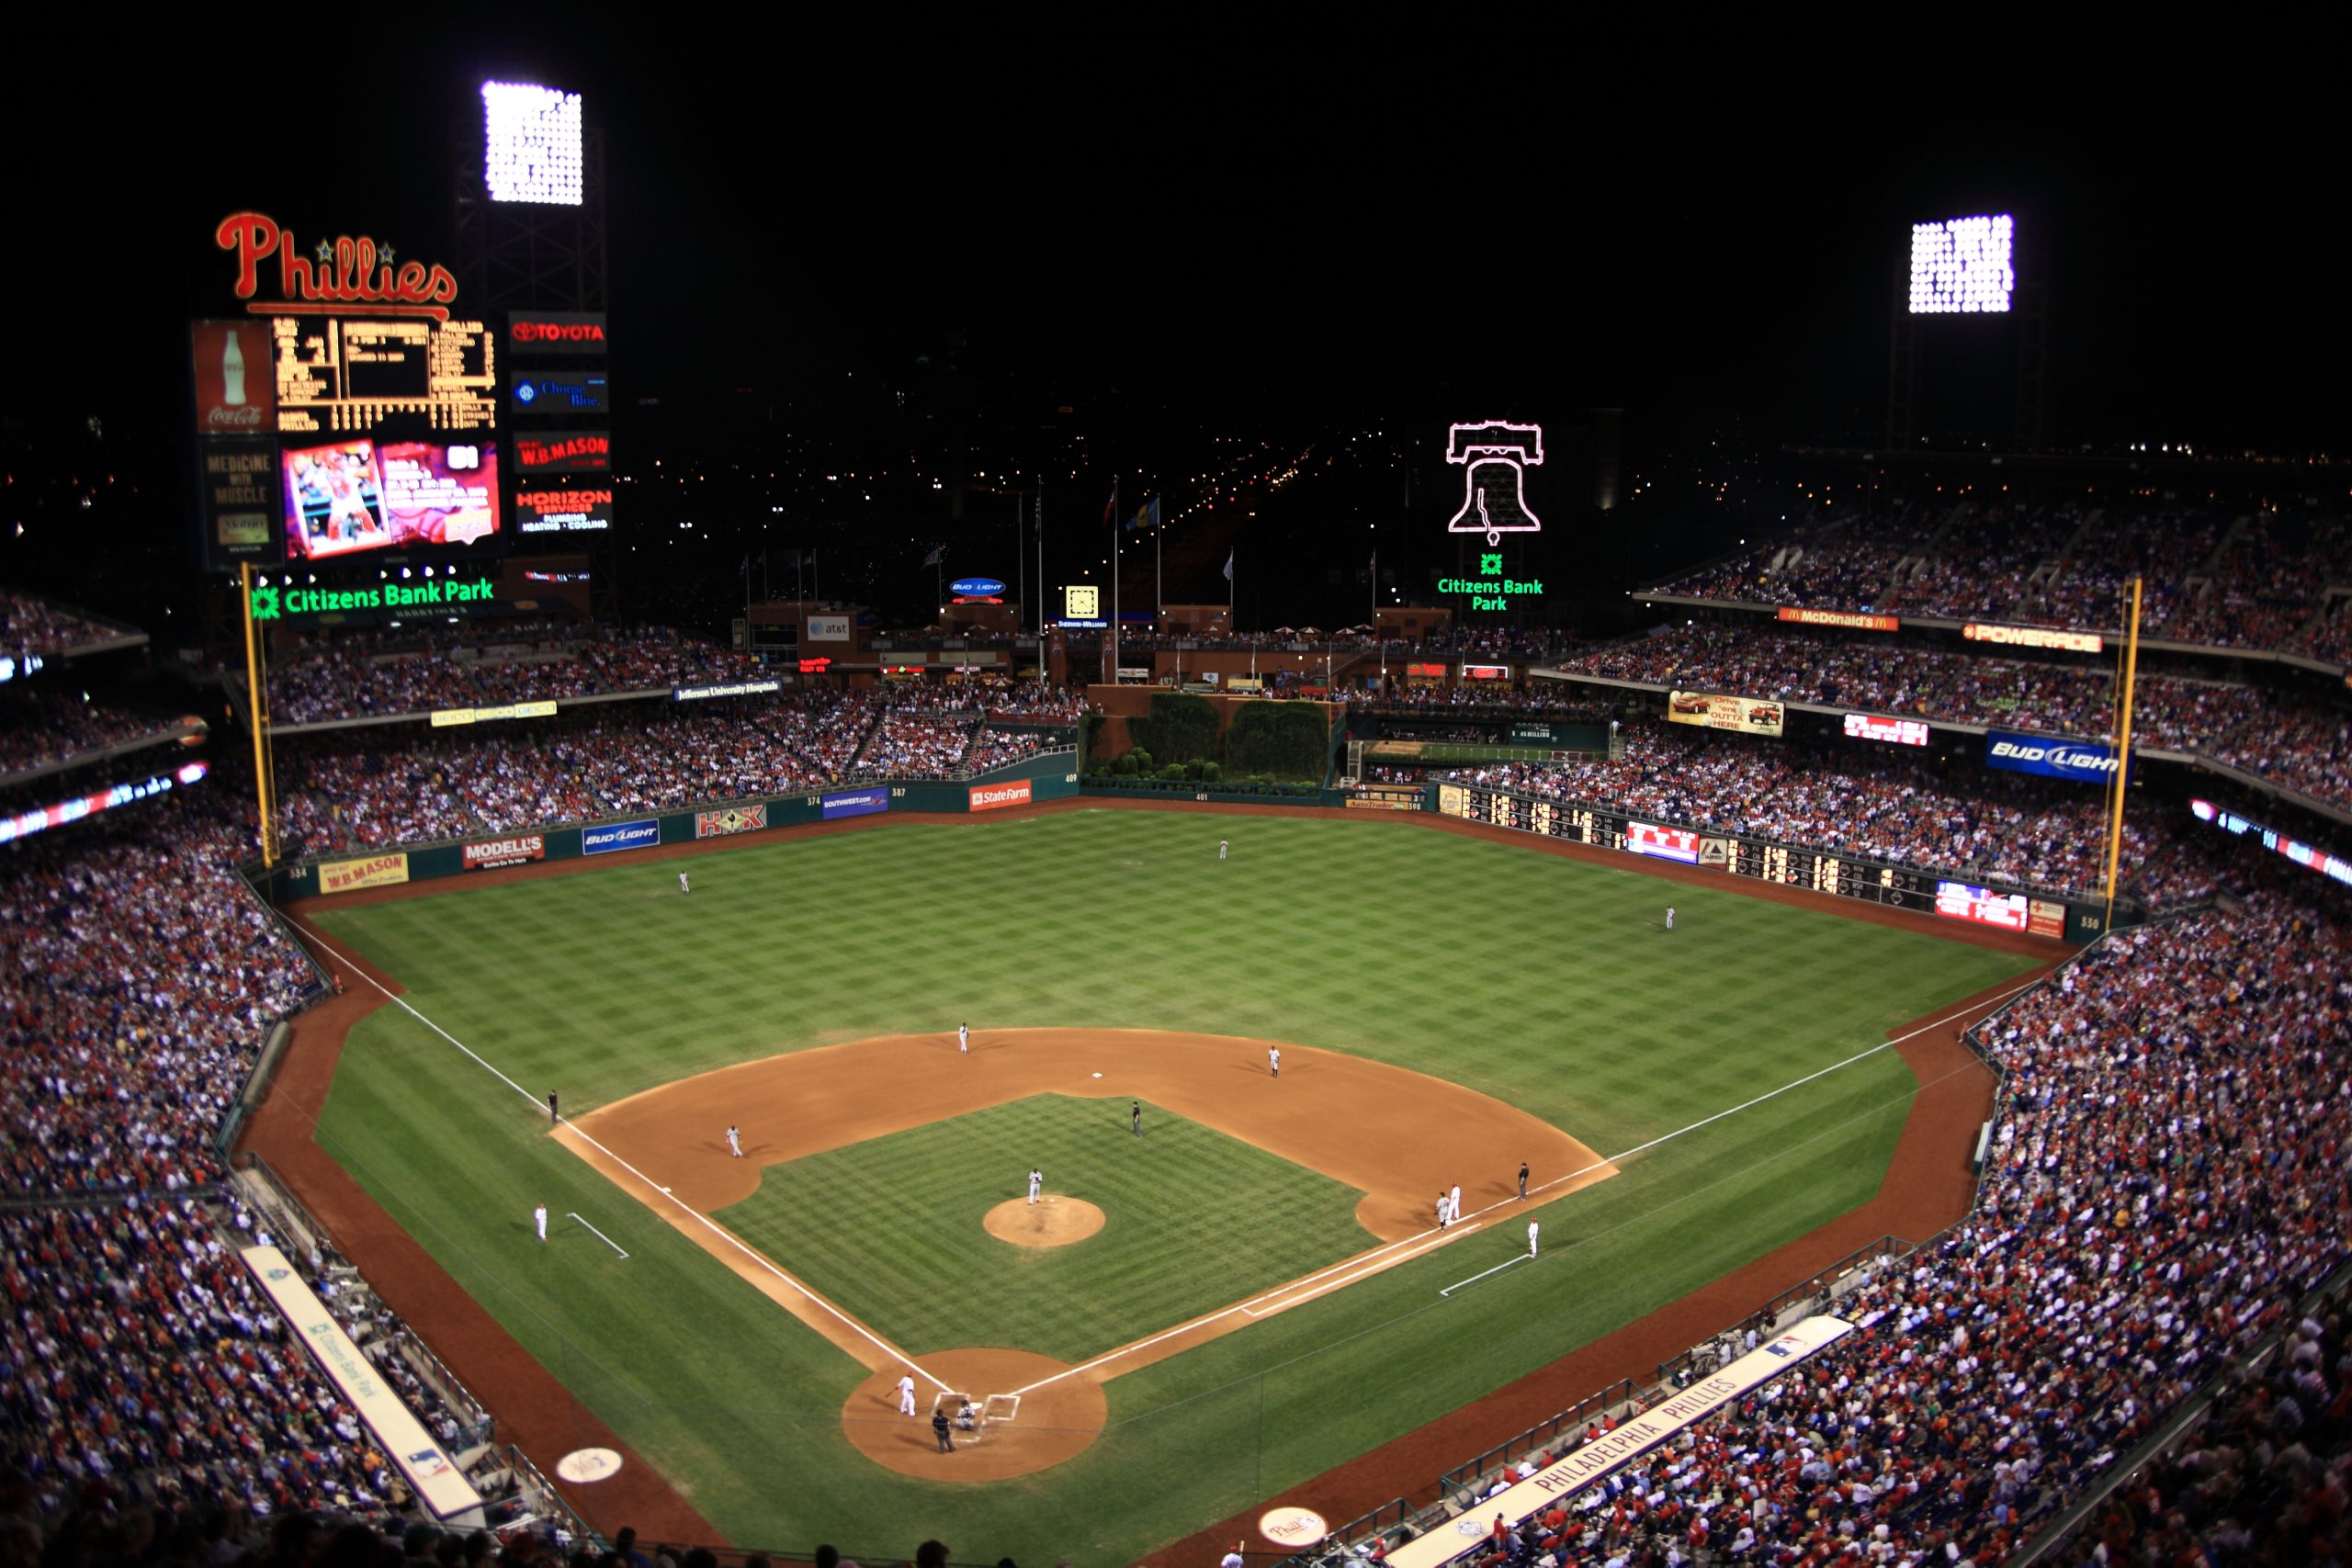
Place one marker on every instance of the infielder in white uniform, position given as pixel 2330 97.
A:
pixel 906 1393
pixel 963 1037
pixel 1453 1201
pixel 735 1143
pixel 682 882
pixel 1037 1180
pixel 539 1218
pixel 1530 1239
pixel 1274 1060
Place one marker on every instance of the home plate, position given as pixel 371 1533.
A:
pixel 583 1465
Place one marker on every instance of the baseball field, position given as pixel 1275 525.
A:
pixel 1247 1292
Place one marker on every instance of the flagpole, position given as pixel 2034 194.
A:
pixel 1115 581
pixel 1159 598
pixel 1020 564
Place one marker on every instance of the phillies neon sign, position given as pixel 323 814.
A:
pixel 342 274
pixel 1494 456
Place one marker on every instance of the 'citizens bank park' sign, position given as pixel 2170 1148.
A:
pixel 515 851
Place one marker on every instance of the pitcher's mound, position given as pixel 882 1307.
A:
pixel 1051 1221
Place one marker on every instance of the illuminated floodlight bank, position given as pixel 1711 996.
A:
pixel 1963 265
pixel 531 145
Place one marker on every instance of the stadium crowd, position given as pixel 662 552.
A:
pixel 2013 827
pixel 37 728
pixel 2256 580
pixel 2166 1177
pixel 2295 742
pixel 28 625
pixel 374 673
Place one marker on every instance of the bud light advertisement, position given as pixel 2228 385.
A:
pixel 612 836
pixel 2085 761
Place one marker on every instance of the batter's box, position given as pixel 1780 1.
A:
pixel 1001 1407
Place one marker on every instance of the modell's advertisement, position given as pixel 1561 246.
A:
pixel 237 479
pixel 236 394
pixel 359 496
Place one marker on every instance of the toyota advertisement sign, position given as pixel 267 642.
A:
pixel 2085 761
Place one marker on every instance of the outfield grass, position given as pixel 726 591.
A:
pixel 1543 981
pixel 1193 1221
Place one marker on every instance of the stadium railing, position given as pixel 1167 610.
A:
pixel 1537 1438
pixel 1856 1268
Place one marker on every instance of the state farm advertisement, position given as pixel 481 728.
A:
pixel 236 387
pixel 516 850
pixel 1667 843
pixel 992 797
pixel 571 452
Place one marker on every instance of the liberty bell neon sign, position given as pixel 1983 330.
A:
pixel 1495 454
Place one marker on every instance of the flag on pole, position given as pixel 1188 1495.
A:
pixel 1228 566
pixel 1146 516
pixel 937 553
pixel 1111 507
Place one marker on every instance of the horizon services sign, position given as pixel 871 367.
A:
pixel 2085 761
pixel 610 837
pixel 1852 620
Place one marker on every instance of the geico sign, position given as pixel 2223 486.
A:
pixel 2061 756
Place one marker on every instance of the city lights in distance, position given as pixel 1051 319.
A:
pixel 1963 265
pixel 531 144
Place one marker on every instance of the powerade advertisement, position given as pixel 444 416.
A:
pixel 856 803
pixel 614 836
pixel 2085 761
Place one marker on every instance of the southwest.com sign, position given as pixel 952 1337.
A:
pixel 2085 762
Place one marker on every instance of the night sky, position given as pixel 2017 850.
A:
pixel 1234 225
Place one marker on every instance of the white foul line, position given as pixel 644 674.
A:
pixel 892 1351
pixel 1514 1258
pixel 600 1236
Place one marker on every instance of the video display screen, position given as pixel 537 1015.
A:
pixel 351 377
pixel 1960 901
pixel 360 496
pixel 1667 843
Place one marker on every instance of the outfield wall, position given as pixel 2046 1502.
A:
pixel 2047 911
pixel 1046 777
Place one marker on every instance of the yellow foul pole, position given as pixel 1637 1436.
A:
pixel 256 664
pixel 2123 752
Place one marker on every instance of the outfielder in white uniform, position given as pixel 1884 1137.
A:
pixel 539 1218
pixel 1223 845
pixel 735 1143
pixel 1037 1180
pixel 1669 917
pixel 1530 1239
pixel 682 882
pixel 906 1394
pixel 963 1037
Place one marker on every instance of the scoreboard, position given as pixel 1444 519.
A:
pixel 335 376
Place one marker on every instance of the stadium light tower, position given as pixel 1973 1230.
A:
pixel 1977 266
pixel 530 195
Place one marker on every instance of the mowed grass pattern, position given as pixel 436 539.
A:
pixel 1545 982
pixel 1192 1220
